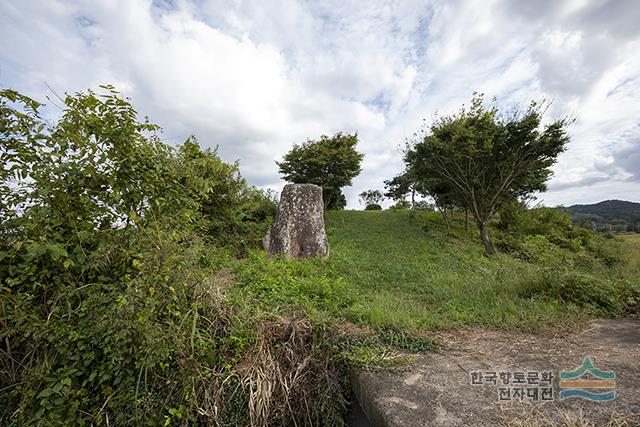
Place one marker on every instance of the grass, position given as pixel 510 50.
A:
pixel 395 277
pixel 407 271
pixel 413 276
pixel 632 242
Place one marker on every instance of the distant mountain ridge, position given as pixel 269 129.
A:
pixel 609 215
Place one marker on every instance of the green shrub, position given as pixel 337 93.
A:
pixel 543 233
pixel 373 207
pixel 599 296
pixel 630 295
pixel 588 291
pixel 552 223
pixel 400 205
pixel 121 348
pixel 231 212
pixel 255 214
pixel 609 250
pixel 112 304
pixel 539 249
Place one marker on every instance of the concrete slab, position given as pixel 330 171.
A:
pixel 436 390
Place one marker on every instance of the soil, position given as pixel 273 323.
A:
pixel 436 389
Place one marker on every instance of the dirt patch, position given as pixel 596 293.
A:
pixel 436 390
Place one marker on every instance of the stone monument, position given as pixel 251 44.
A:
pixel 298 231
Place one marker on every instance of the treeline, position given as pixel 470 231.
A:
pixel 610 216
pixel 478 160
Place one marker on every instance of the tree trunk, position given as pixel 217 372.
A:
pixel 466 219
pixel 326 199
pixel 443 211
pixel 413 197
pixel 486 240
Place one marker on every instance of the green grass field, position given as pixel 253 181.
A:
pixel 632 242
pixel 408 276
pixel 406 270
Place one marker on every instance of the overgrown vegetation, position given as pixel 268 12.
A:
pixel 133 290
pixel 407 270
pixel 110 308
pixel 411 271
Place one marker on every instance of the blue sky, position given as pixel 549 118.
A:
pixel 254 77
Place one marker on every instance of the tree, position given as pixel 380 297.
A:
pixel 330 162
pixel 229 208
pixel 398 187
pixel 486 159
pixel 371 197
pixel 334 199
pixel 407 182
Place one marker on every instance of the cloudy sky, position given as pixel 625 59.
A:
pixel 254 77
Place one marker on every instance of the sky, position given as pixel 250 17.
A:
pixel 255 77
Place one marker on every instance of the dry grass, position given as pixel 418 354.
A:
pixel 286 376
pixel 282 379
pixel 530 415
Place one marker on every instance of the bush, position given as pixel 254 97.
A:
pixel 373 207
pixel 537 248
pixel 576 262
pixel 600 297
pixel 255 214
pixel 551 223
pixel 630 295
pixel 609 250
pixel 587 291
pixel 400 205
pixel 121 346
pixel 111 310
pixel 532 234
pixel 231 212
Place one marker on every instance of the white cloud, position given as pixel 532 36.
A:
pixel 254 77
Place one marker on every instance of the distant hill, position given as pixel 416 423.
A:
pixel 610 215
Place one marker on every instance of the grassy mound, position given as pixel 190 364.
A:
pixel 407 270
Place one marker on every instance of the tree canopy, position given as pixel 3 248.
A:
pixel 399 186
pixel 371 197
pixel 330 162
pixel 479 159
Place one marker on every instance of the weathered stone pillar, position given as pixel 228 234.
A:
pixel 298 231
